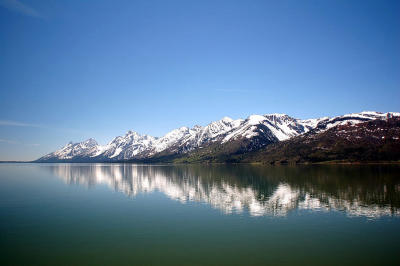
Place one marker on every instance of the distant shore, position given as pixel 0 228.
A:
pixel 226 163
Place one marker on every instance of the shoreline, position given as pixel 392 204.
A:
pixel 221 163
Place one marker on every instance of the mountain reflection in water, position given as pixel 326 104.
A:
pixel 370 191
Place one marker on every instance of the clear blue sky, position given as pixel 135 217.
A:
pixel 71 70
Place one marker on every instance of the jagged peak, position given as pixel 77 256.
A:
pixel 135 135
pixel 69 144
pixel 91 140
pixel 131 132
pixel 183 128
pixel 177 131
pixel 180 129
pixel 277 115
pixel 197 127
pixel 226 119
pixel 183 139
pixel 255 119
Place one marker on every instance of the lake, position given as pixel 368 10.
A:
pixel 126 214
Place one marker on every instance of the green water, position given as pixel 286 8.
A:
pixel 109 214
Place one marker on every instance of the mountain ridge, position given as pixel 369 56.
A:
pixel 235 136
pixel 370 141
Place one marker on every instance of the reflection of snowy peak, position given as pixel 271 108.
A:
pixel 224 194
pixel 263 129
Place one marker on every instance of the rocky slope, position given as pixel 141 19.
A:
pixel 376 140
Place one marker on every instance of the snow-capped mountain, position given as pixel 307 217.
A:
pixel 87 148
pixel 374 140
pixel 257 130
pixel 327 123
pixel 125 147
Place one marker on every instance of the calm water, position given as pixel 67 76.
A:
pixel 80 214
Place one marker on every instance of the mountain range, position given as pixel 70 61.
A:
pixel 256 138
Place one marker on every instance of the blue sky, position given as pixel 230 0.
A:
pixel 71 70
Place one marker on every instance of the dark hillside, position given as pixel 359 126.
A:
pixel 377 140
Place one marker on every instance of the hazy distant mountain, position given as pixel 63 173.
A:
pixel 223 140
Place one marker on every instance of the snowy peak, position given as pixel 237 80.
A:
pixel 255 119
pixel 260 130
pixel 89 143
pixel 85 148
pixel 214 129
pixel 226 119
pixel 352 119
pixel 271 126
pixel 127 146
pixel 171 138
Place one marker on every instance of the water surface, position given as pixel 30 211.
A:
pixel 79 214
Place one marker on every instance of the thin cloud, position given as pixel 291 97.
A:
pixel 8 141
pixel 21 8
pixel 17 124
pixel 11 123
pixel 33 144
